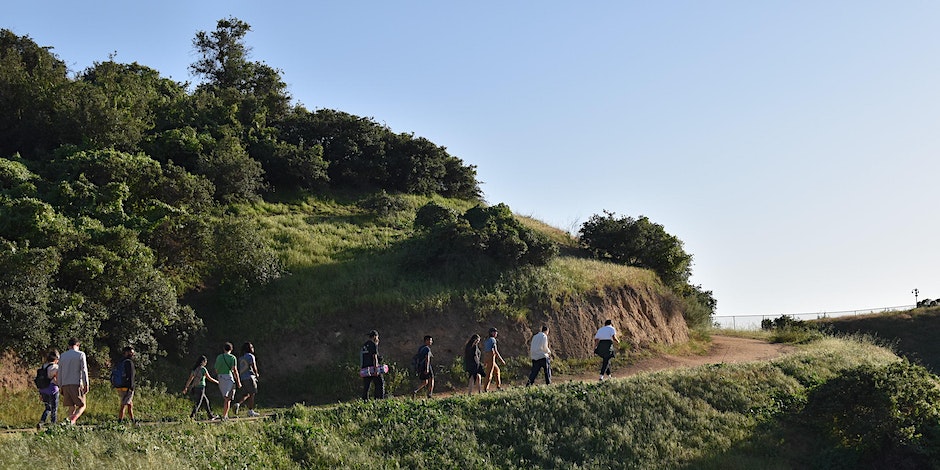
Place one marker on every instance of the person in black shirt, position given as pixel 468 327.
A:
pixel 126 393
pixel 370 358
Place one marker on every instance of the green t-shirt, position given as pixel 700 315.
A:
pixel 201 373
pixel 224 363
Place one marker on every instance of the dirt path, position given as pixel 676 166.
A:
pixel 723 349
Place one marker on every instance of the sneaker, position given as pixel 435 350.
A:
pixel 214 418
pixel 602 378
pixel 253 414
pixel 235 407
pixel 38 426
pixel 414 394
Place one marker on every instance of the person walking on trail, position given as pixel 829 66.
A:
pixel 227 371
pixel 425 371
pixel 196 383
pixel 472 364
pixel 541 356
pixel 370 358
pixel 126 390
pixel 249 378
pixel 490 356
pixel 604 342
pixel 73 379
pixel 50 393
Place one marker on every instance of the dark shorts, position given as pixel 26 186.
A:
pixel 249 386
pixel 426 375
pixel 473 373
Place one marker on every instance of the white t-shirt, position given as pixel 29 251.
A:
pixel 606 332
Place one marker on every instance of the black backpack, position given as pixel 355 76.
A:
pixel 42 379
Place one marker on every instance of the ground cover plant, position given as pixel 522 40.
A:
pixel 786 413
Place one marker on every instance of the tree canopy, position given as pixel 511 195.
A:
pixel 114 182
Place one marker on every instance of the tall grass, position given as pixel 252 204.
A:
pixel 708 417
pixel 344 258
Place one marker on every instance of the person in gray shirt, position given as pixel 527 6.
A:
pixel 73 379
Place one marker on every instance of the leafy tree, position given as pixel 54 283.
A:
pixel 31 82
pixel 492 233
pixel 118 104
pixel 637 242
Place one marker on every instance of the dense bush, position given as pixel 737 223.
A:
pixel 489 233
pixel 879 417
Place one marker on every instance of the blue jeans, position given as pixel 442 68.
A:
pixel 537 365
pixel 52 406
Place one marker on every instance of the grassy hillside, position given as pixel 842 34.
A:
pixel 344 258
pixel 913 333
pixel 759 415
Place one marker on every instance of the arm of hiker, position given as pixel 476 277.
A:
pixel 254 367
pixel 130 372
pixel 614 337
pixel 498 355
pixel 192 375
pixel 210 379
pixel 238 380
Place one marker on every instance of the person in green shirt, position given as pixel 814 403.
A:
pixel 227 371
pixel 197 384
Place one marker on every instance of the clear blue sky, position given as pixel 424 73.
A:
pixel 791 145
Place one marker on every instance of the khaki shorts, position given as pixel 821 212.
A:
pixel 127 396
pixel 71 395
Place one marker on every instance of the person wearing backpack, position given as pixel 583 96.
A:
pixel 248 366
pixel 604 341
pixel 123 382
pixel 369 358
pixel 73 379
pixel 45 381
pixel 424 369
pixel 197 384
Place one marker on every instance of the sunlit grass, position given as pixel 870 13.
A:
pixel 688 418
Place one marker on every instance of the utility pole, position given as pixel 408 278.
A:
pixel 915 292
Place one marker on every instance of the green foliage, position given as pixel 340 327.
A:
pixel 637 242
pixel 786 329
pixel 490 233
pixel 642 243
pixel 886 415
pixel 866 410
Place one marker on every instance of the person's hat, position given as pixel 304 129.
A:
pixel 493 330
pixel 373 334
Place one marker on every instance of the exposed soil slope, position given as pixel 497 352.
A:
pixel 641 316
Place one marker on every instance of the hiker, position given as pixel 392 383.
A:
pixel 227 371
pixel 50 392
pixel 126 388
pixel 249 378
pixel 369 356
pixel 490 356
pixel 541 356
pixel 73 379
pixel 425 371
pixel 196 383
pixel 471 363
pixel 604 342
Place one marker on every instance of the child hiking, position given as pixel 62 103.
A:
pixel 196 385
pixel 46 381
pixel 424 369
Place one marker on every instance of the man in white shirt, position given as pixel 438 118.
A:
pixel 604 342
pixel 73 379
pixel 541 356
